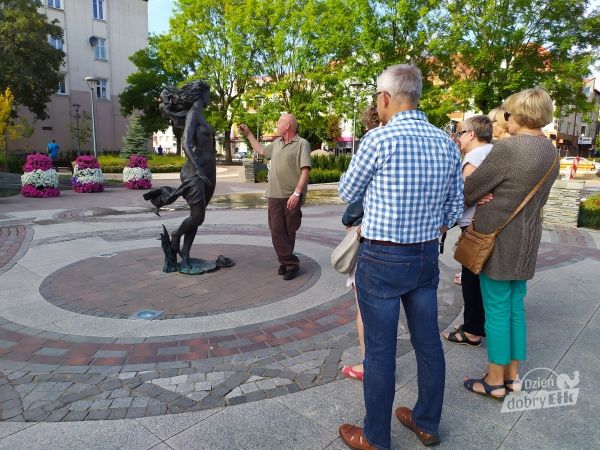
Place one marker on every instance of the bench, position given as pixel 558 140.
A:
pixel 62 164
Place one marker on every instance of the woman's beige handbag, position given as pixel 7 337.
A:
pixel 343 258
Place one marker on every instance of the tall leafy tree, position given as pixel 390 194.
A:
pixel 500 47
pixel 304 46
pixel 145 85
pixel 214 41
pixel 394 32
pixel 30 65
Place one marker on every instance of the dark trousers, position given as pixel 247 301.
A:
pixel 284 223
pixel 474 315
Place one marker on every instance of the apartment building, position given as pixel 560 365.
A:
pixel 99 37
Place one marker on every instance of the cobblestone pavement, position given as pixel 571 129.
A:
pixel 48 375
pixel 52 375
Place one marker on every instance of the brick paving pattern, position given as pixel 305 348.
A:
pixel 134 287
pixel 47 376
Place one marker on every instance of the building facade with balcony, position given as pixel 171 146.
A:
pixel 99 36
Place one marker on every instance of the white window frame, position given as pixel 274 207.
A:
pixel 62 86
pixel 56 43
pixel 98 9
pixel 101 50
pixel 54 4
pixel 102 89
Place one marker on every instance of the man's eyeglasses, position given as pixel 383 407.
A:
pixel 376 94
pixel 507 115
pixel 460 133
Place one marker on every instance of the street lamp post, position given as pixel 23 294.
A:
pixel 92 82
pixel 355 86
pixel 260 99
pixel 76 107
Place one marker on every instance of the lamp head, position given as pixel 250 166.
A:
pixel 91 82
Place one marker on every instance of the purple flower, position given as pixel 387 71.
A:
pixel 138 184
pixel 87 162
pixel 29 190
pixel 137 161
pixel 37 161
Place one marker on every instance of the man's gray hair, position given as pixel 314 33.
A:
pixel 402 80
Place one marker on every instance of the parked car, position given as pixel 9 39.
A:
pixel 241 155
pixel 584 164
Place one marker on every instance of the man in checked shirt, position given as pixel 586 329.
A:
pixel 408 175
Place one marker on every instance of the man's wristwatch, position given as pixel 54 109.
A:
pixel 297 194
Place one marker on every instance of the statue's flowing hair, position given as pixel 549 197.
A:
pixel 175 102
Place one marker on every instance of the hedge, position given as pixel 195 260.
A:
pixel 156 164
pixel 262 176
pixel 324 175
pixel 589 212
pixel 330 162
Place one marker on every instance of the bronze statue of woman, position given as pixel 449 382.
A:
pixel 184 108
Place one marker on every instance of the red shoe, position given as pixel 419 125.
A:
pixel 354 437
pixel 349 372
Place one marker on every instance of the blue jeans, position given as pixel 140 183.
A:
pixel 384 276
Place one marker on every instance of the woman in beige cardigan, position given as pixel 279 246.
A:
pixel 511 170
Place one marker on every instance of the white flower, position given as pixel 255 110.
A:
pixel 135 174
pixel 40 178
pixel 88 175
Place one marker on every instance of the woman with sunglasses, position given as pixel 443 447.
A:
pixel 509 173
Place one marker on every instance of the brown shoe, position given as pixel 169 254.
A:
pixel 404 415
pixel 353 437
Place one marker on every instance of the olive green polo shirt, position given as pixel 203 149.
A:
pixel 287 161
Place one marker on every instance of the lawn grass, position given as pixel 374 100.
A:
pixel 589 212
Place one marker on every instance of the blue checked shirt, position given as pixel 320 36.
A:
pixel 408 175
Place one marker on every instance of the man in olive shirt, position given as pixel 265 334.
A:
pixel 288 179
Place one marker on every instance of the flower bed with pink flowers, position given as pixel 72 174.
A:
pixel 137 175
pixel 39 178
pixel 87 175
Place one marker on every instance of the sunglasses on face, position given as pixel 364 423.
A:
pixel 507 115
pixel 460 133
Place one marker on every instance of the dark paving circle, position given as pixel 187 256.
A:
pixel 119 285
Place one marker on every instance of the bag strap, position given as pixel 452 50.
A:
pixel 529 196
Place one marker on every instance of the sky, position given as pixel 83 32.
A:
pixel 159 12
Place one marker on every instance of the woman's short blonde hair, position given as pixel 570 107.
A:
pixel 496 115
pixel 531 108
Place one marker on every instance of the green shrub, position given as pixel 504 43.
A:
pixel 329 162
pixel 589 212
pixel 15 164
pixel 158 164
pixel 262 176
pixel 324 175
pixel 165 168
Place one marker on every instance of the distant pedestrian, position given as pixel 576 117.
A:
pixel 53 149
pixel 160 150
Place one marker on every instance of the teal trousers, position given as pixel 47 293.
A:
pixel 505 326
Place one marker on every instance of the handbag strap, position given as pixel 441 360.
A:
pixel 529 196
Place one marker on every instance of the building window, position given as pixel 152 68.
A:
pixel 54 4
pixel 56 43
pixel 100 49
pixel 102 89
pixel 583 130
pixel 98 7
pixel 62 87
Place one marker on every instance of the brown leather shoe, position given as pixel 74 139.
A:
pixel 404 415
pixel 353 437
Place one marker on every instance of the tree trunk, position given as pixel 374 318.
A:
pixel 178 132
pixel 227 142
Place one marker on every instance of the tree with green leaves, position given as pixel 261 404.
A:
pixel 214 41
pixel 144 87
pixel 135 139
pixel 493 49
pixel 30 65
pixel 304 47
